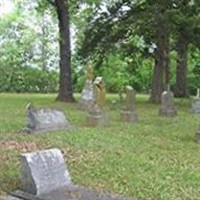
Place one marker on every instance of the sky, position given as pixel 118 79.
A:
pixel 5 6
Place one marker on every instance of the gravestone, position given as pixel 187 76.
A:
pixel 87 94
pixel 128 114
pixel 196 103
pixel 44 120
pixel 167 104
pixel 44 176
pixel 43 171
pixel 96 116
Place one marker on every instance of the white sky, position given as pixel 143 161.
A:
pixel 5 6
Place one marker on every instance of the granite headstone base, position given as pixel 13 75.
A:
pixel 169 112
pixel 96 119
pixel 128 116
pixel 72 192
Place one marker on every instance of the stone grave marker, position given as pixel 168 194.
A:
pixel 96 116
pixel 128 114
pixel 44 120
pixel 196 103
pixel 167 104
pixel 43 171
pixel 44 176
pixel 87 94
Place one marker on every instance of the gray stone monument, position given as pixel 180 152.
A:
pixel 96 116
pixel 196 103
pixel 44 120
pixel 128 114
pixel 44 176
pixel 43 171
pixel 87 94
pixel 167 104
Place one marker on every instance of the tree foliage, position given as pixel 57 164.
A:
pixel 129 42
pixel 160 25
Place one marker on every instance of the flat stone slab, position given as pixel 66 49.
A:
pixel 72 192
pixel 75 192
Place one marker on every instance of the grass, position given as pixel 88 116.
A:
pixel 155 158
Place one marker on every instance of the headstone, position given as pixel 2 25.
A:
pixel 96 116
pixel 196 103
pixel 44 176
pixel 167 104
pixel 43 171
pixel 113 105
pixel 87 95
pixel 44 120
pixel 128 114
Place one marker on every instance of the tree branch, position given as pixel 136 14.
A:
pixel 52 2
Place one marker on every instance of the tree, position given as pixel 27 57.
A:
pixel 65 81
pixel 124 20
pixel 186 32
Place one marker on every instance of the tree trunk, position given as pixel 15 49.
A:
pixel 181 68
pixel 167 62
pixel 161 62
pixel 65 81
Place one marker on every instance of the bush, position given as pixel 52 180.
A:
pixel 17 79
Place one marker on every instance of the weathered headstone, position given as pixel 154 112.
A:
pixel 43 171
pixel 96 116
pixel 44 120
pixel 113 105
pixel 196 103
pixel 128 114
pixel 87 94
pixel 167 104
pixel 44 176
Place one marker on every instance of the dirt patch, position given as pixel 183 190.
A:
pixel 20 146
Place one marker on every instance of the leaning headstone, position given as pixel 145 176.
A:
pixel 196 103
pixel 44 176
pixel 44 120
pixel 128 114
pixel 167 104
pixel 43 171
pixel 96 116
pixel 87 94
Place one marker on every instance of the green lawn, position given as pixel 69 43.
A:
pixel 155 158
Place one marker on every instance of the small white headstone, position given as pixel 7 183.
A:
pixel 167 104
pixel 128 114
pixel 43 171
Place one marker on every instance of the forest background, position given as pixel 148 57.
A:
pixel 145 44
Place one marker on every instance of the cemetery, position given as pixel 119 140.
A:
pixel 99 101
pixel 116 159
